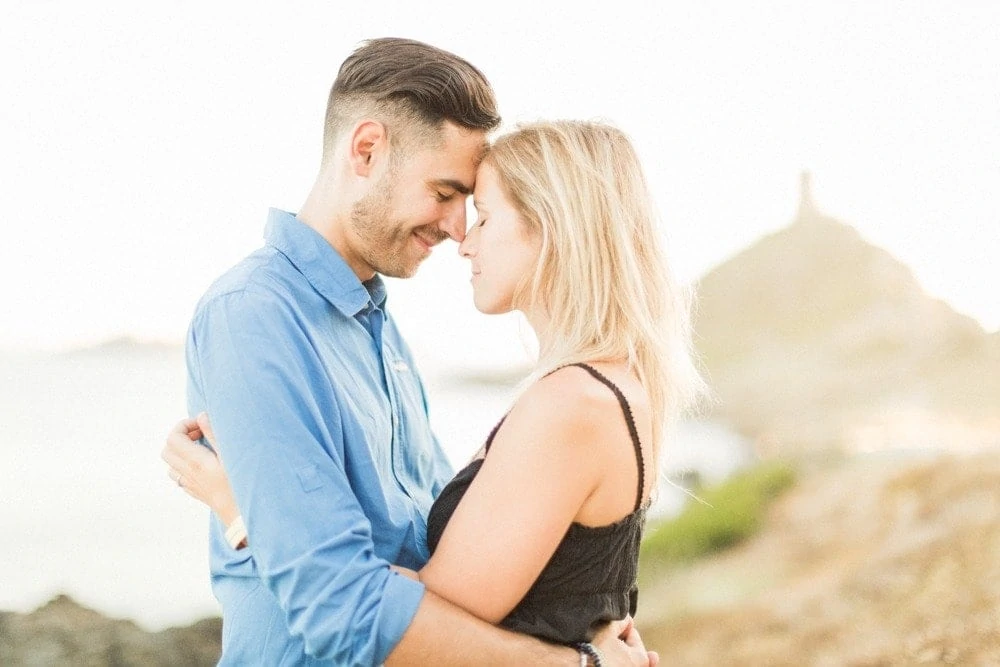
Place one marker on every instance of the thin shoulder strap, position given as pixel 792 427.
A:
pixel 630 421
pixel 493 433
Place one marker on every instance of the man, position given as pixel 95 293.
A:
pixel 314 397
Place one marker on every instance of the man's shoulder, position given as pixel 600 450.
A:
pixel 265 272
pixel 259 296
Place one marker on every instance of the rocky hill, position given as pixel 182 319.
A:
pixel 880 560
pixel 813 338
pixel 63 632
pixel 824 349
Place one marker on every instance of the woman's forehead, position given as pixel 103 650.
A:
pixel 485 177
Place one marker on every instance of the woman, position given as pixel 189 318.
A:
pixel 540 533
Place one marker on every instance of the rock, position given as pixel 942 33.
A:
pixel 62 632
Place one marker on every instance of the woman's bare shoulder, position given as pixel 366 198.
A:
pixel 568 405
pixel 571 422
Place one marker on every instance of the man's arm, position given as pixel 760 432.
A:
pixel 443 634
pixel 278 432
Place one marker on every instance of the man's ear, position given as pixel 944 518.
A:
pixel 369 146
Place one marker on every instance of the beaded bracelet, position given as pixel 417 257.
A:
pixel 588 650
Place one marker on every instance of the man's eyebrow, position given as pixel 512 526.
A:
pixel 457 186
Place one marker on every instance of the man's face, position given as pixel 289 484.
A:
pixel 418 202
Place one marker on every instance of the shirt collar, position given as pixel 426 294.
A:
pixel 321 264
pixel 376 290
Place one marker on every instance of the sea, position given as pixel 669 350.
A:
pixel 86 507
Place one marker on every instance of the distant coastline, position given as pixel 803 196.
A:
pixel 125 345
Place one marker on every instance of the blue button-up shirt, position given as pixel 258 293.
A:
pixel 321 422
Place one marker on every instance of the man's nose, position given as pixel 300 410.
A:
pixel 454 222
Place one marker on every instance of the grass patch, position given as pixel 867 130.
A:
pixel 736 512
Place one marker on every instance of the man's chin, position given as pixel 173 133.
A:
pixel 402 272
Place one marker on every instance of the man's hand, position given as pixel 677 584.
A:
pixel 621 645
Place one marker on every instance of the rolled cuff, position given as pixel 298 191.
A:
pixel 400 600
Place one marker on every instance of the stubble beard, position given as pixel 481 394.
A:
pixel 382 239
pixel 385 242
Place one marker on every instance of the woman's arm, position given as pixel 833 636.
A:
pixel 543 466
pixel 197 469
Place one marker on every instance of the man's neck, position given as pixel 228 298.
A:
pixel 330 220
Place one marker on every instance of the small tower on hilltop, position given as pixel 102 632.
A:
pixel 807 205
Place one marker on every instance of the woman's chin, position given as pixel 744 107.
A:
pixel 487 307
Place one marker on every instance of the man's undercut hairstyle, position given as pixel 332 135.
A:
pixel 412 88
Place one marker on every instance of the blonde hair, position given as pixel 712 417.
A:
pixel 602 277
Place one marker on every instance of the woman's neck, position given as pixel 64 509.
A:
pixel 538 321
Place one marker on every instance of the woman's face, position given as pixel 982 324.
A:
pixel 498 245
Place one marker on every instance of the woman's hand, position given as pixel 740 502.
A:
pixel 197 469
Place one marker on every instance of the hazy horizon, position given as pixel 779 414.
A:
pixel 509 328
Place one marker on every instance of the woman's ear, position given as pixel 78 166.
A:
pixel 369 146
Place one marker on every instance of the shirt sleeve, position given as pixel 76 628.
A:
pixel 278 432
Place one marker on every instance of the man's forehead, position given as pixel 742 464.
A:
pixel 469 144
pixel 456 160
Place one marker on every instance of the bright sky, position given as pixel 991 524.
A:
pixel 141 147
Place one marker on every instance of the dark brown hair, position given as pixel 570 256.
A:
pixel 412 85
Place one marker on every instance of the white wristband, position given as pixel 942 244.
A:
pixel 236 533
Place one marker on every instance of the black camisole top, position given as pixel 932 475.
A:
pixel 591 577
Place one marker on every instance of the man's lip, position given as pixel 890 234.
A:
pixel 424 242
